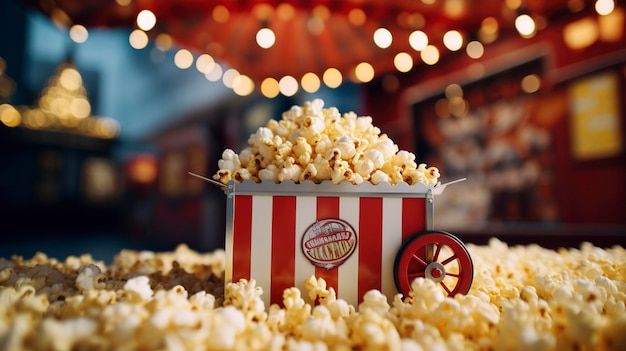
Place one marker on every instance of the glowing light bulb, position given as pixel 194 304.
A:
pixel 78 33
pixel 146 20
pixel 332 78
pixel 270 88
pixel 265 38
pixel 604 7
pixel 453 40
pixel 364 72
pixel 403 62
pixel 430 55
pixel 183 59
pixel 288 85
pixel 475 49
pixel 525 25
pixel 310 82
pixel 418 40
pixel 383 38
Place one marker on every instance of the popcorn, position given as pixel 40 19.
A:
pixel 89 278
pixel 314 143
pixel 523 297
pixel 229 161
pixel 139 285
pixel 302 150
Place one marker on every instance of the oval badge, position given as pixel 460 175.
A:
pixel 328 243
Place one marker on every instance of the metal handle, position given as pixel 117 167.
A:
pixel 214 182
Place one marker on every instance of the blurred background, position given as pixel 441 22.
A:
pixel 106 105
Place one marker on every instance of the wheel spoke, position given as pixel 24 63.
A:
pixel 448 260
pixel 457 275
pixel 419 259
pixel 436 255
pixel 445 287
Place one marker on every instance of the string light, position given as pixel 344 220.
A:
pixel 357 17
pixel 229 77
pixel 215 73
pixel 383 38
pixel 285 11
pixel 310 82
pixel 430 55
pixel 265 38
pixel 270 88
pixel 525 25
pixel 138 39
pixel 418 40
pixel 332 78
pixel 183 59
pixel 78 33
pixel 288 85
pixel 205 63
pixel 604 7
pixel 364 72
pixel 453 40
pixel 163 42
pixel 220 14
pixel 403 62
pixel 243 85
pixel 488 31
pixel 146 20
pixel 475 49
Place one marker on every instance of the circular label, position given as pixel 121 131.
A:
pixel 328 243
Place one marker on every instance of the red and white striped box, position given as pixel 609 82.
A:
pixel 270 231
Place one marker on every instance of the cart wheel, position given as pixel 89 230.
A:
pixel 449 266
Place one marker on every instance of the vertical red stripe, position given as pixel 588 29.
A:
pixel 283 246
pixel 328 207
pixel 413 216
pixel 370 243
pixel 242 237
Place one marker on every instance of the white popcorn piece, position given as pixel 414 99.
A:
pixel 139 285
pixel 302 150
pixel 377 157
pixel 345 144
pixel 380 177
pixel 322 168
pixel 269 173
pixel 242 174
pixel 308 173
pixel 90 277
pixel 341 171
pixel 289 170
pixel 229 161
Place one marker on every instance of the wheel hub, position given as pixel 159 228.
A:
pixel 435 271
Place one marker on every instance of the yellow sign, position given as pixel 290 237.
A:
pixel 595 127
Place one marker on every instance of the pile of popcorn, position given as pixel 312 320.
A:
pixel 522 298
pixel 314 143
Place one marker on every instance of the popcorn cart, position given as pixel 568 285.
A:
pixel 355 237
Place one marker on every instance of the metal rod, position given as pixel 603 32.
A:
pixel 214 182
pixel 454 181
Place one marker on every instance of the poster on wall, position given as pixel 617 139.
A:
pixel 595 120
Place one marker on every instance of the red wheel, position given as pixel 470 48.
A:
pixel 436 255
